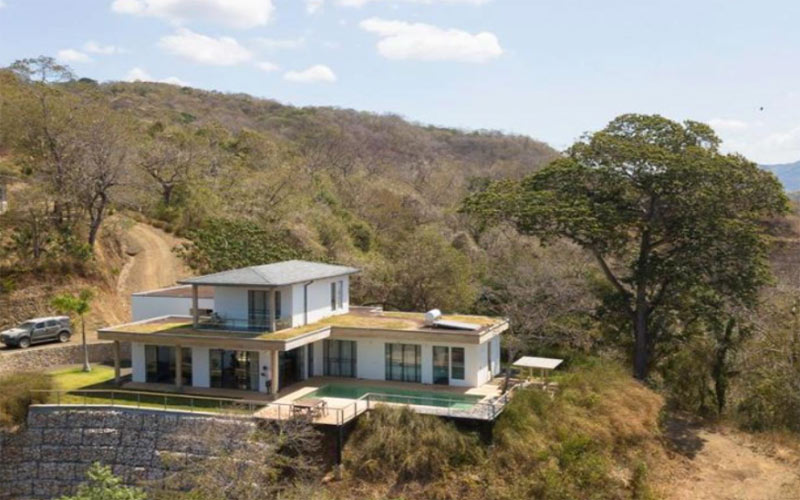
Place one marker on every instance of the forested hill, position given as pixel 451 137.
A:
pixel 250 180
pixel 788 173
pixel 385 140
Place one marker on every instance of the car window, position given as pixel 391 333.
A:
pixel 51 322
pixel 27 325
pixel 40 325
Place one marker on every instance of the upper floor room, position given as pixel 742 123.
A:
pixel 270 297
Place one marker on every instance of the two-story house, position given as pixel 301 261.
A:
pixel 266 327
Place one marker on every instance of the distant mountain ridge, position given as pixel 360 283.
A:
pixel 787 173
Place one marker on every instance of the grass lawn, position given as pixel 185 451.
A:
pixel 101 378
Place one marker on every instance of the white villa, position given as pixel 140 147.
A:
pixel 264 328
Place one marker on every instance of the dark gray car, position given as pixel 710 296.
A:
pixel 37 330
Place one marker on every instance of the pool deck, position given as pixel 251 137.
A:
pixel 342 410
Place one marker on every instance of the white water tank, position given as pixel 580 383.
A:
pixel 432 316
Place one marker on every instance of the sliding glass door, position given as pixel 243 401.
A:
pixel 441 365
pixel 160 364
pixel 234 369
pixel 339 358
pixel 403 362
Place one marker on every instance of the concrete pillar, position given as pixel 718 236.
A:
pixel 274 369
pixel 117 363
pixel 178 366
pixel 195 310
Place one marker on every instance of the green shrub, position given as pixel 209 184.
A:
pixel 16 396
pixel 391 442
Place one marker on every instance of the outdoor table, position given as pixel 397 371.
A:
pixel 312 406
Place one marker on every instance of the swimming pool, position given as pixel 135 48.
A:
pixel 401 396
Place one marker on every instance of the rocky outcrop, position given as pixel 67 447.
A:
pixel 50 457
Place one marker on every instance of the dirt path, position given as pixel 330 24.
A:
pixel 153 264
pixel 724 464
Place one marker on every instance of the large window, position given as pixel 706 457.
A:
pixel 258 308
pixel 234 369
pixel 310 357
pixel 457 358
pixel 441 365
pixel 160 364
pixel 403 362
pixel 339 358
pixel 337 295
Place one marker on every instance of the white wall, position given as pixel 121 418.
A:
pixel 371 361
pixel 144 307
pixel 138 366
pixel 201 367
pixel 319 300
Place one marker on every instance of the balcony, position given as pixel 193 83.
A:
pixel 253 324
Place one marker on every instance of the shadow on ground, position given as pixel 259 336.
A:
pixel 682 434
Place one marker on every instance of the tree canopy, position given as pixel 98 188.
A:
pixel 672 222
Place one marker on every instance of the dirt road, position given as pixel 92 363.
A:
pixel 153 263
pixel 725 464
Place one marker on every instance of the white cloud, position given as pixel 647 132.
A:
pixel 72 56
pixel 203 49
pixel 240 14
pixel 425 42
pixel 138 74
pixel 279 44
pixel 361 3
pixel 267 66
pixel 314 74
pixel 96 48
pixel 726 124
pixel 314 6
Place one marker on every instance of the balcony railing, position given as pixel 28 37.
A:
pixel 259 323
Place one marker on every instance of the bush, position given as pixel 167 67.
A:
pixel 391 442
pixel 16 396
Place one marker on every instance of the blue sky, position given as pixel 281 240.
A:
pixel 551 69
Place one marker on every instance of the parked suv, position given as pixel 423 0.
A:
pixel 38 330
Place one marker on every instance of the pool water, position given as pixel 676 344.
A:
pixel 401 396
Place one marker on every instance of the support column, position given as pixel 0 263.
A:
pixel 178 366
pixel 272 310
pixel 117 362
pixel 274 366
pixel 195 310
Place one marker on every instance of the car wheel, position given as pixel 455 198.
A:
pixel 63 337
pixel 24 342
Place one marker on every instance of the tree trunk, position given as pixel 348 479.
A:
pixel 167 193
pixel 86 366
pixel 641 354
pixel 96 220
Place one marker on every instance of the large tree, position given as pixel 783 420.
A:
pixel 669 219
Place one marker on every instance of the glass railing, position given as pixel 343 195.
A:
pixel 253 324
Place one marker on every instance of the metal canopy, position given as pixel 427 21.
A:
pixel 541 363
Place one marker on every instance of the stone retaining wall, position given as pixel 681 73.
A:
pixel 45 357
pixel 50 457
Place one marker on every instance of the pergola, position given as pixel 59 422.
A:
pixel 543 364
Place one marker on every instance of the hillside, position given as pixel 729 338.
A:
pixel 240 180
pixel 788 174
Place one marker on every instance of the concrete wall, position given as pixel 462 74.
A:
pixel 138 363
pixel 144 307
pixel 319 300
pixel 53 355
pixel 50 457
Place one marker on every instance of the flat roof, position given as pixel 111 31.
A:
pixel 276 274
pixel 180 291
pixel 359 322
pixel 534 362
